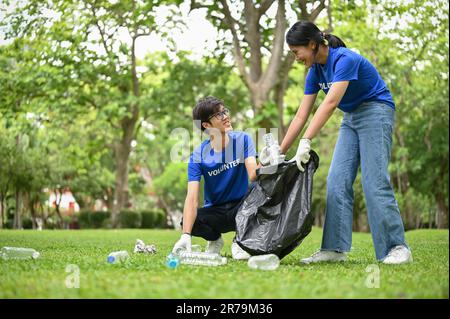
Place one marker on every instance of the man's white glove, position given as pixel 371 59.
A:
pixel 184 243
pixel 302 155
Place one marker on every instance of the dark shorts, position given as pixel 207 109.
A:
pixel 212 221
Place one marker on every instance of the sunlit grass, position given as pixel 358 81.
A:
pixel 146 276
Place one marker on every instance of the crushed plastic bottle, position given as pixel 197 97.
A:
pixel 141 247
pixel 264 262
pixel 18 253
pixel 117 257
pixel 274 149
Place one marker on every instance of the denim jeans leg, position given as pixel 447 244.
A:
pixel 337 231
pixel 374 125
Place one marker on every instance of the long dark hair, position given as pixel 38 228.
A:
pixel 302 32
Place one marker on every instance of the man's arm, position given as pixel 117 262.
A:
pixel 190 206
pixel 251 166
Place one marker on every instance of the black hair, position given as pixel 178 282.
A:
pixel 302 32
pixel 206 107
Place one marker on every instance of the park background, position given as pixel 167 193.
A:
pixel 94 93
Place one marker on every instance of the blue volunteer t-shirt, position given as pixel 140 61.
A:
pixel 345 65
pixel 224 172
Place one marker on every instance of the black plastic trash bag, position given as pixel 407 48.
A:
pixel 275 216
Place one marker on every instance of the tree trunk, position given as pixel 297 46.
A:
pixel 17 213
pixel 121 194
pixel 280 91
pixel 403 185
pixel 2 210
pixel 57 208
pixel 123 148
pixel 109 198
pixel 442 212
pixel 356 226
pixel 33 200
pixel 319 218
pixel 258 82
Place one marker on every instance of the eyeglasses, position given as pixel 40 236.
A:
pixel 220 115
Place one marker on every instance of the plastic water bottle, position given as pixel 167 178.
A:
pixel 264 262
pixel 201 259
pixel 18 253
pixel 194 258
pixel 117 256
pixel 196 248
pixel 172 261
pixel 274 149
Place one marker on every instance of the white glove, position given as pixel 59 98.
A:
pixel 184 243
pixel 264 156
pixel 302 155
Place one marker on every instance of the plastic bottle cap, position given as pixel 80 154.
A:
pixel 111 259
pixel 173 263
pixel 35 255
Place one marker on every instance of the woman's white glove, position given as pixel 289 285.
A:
pixel 271 155
pixel 264 156
pixel 302 155
pixel 184 243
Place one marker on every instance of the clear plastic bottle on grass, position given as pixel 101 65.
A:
pixel 195 258
pixel 264 262
pixel 117 257
pixel 201 259
pixel 18 253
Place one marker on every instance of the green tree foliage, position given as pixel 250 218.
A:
pixel 79 110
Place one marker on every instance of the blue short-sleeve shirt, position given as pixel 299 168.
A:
pixel 224 172
pixel 365 83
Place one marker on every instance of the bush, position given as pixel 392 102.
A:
pixel 92 219
pixel 130 219
pixel 84 219
pixel 27 223
pixel 153 218
pixel 97 219
pixel 148 219
pixel 107 223
pixel 9 224
pixel 160 220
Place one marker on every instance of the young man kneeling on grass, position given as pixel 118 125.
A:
pixel 226 161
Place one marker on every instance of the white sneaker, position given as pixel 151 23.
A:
pixel 214 247
pixel 398 255
pixel 238 253
pixel 324 255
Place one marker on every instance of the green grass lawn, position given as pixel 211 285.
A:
pixel 146 276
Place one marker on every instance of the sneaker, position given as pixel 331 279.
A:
pixel 324 255
pixel 238 253
pixel 398 255
pixel 214 247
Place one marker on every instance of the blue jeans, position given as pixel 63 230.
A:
pixel 365 138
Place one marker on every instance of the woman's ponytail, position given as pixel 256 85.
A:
pixel 302 32
pixel 333 41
